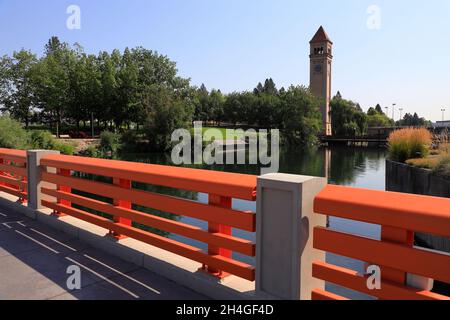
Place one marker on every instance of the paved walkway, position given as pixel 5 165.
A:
pixel 34 260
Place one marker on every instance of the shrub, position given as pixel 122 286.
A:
pixel 41 140
pixel 443 166
pixel 64 148
pixel 409 143
pixel 426 163
pixel 12 135
pixel 44 140
pixel 109 144
pixel 91 152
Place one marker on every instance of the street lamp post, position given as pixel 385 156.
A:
pixel 401 113
pixel 393 111
pixel 443 114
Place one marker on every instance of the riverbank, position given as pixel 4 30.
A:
pixel 81 145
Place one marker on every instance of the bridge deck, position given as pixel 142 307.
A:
pixel 34 259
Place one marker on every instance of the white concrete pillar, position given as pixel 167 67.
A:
pixel 35 183
pixel 285 223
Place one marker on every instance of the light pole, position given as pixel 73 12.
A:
pixel 401 113
pixel 393 111
pixel 443 114
pixel 387 111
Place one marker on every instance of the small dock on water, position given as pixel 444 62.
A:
pixel 355 141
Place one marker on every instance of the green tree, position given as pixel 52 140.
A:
pixel 108 69
pixel 413 120
pixel 379 120
pixel 52 81
pixel 379 109
pixel 127 92
pixel 347 118
pixel 268 111
pixel 372 112
pixel 166 112
pixel 201 103
pixel 18 97
pixel 302 119
pixel 216 104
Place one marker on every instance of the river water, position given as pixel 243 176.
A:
pixel 356 167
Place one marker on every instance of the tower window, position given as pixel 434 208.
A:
pixel 319 50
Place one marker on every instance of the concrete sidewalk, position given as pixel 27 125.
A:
pixel 34 260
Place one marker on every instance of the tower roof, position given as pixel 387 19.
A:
pixel 321 36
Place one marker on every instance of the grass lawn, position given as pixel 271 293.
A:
pixel 223 132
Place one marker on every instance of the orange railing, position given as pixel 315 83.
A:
pixel 120 203
pixel 400 215
pixel 13 173
pixel 221 217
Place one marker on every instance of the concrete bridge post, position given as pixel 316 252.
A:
pixel 35 182
pixel 285 223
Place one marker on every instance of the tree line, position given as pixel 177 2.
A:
pixel 140 89
pixel 349 119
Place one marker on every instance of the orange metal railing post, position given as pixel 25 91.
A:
pixel 67 173
pixel 8 163
pixel 398 236
pixel 1 172
pixel 224 202
pixel 126 184
pixel 21 188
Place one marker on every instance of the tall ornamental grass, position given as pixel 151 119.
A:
pixel 410 143
pixel 443 166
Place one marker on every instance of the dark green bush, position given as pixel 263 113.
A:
pixel 109 145
pixel 39 139
pixel 12 135
pixel 64 148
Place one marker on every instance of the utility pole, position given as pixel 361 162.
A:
pixel 92 125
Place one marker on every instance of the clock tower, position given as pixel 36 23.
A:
pixel 321 57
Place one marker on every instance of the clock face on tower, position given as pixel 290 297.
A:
pixel 318 68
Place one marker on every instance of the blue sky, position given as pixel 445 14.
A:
pixel 234 44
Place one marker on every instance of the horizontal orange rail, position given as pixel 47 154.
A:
pixel 13 173
pixel 220 187
pixel 400 210
pixel 19 171
pixel 13 181
pixel 352 280
pixel 400 215
pixel 220 183
pixel 238 219
pixel 18 156
pixel 234 267
pixel 400 257
pixel 14 192
pixel 182 229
